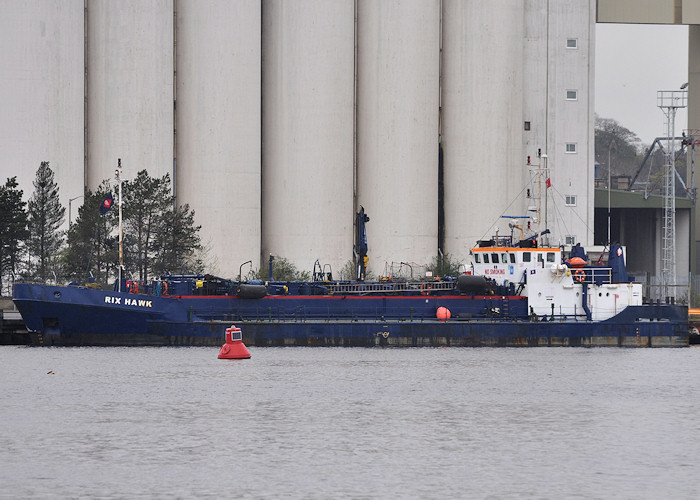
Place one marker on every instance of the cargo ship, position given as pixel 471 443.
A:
pixel 510 294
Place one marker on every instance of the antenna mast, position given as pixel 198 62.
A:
pixel 669 101
pixel 118 175
pixel 538 171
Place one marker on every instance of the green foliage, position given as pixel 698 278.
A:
pixel 13 228
pixel 45 217
pixel 617 146
pixel 443 266
pixel 178 243
pixel 93 247
pixel 159 237
pixel 282 270
pixel 146 200
pixel 349 272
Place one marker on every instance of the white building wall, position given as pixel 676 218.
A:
pixel 397 148
pixel 307 158
pixel 41 56
pixel 130 88
pixel 535 89
pixel 482 102
pixel 571 121
pixel 218 127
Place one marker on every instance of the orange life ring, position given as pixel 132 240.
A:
pixel 579 276
pixel 425 288
pixel 164 288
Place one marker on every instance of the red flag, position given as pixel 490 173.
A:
pixel 106 204
pixel 549 183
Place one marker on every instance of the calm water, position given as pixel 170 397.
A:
pixel 349 423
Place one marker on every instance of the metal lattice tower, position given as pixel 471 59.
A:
pixel 669 101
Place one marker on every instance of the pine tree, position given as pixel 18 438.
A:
pixel 46 215
pixel 178 243
pixel 156 236
pixel 92 243
pixel 13 228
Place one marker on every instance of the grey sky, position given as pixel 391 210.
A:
pixel 633 62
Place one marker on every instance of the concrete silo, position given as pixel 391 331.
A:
pixel 129 88
pixel 482 96
pixel 218 127
pixel 397 129
pixel 42 86
pixel 307 143
pixel 570 118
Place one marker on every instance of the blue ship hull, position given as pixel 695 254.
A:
pixel 68 315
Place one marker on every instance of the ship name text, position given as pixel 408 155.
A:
pixel 129 301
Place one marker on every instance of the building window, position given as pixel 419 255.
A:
pixel 572 95
pixel 570 200
pixel 527 126
pixel 572 43
pixel 570 240
pixel 571 147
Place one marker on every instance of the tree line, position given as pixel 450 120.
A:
pixel 159 236
pixel 620 152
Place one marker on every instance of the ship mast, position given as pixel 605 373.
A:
pixel 117 174
pixel 540 170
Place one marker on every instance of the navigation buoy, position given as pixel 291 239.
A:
pixel 443 314
pixel 234 348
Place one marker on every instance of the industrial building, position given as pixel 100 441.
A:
pixel 277 120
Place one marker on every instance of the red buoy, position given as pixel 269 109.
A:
pixel 443 314
pixel 234 348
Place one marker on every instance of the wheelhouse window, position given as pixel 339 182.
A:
pixel 526 256
pixel 504 258
pixel 550 256
pixel 477 258
pixel 540 258
pixel 486 258
pixel 494 258
pixel 512 258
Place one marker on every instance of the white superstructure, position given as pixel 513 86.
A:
pixel 552 288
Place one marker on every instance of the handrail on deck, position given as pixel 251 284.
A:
pixel 592 275
pixel 408 286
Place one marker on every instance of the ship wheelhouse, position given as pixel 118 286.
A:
pixel 509 263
